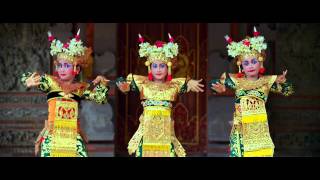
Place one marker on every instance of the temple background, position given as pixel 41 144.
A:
pixel 294 121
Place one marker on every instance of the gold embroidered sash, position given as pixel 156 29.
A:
pixel 157 131
pixel 255 129
pixel 63 115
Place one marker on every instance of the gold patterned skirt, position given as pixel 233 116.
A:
pixel 155 136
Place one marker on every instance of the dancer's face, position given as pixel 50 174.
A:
pixel 65 69
pixel 251 66
pixel 159 70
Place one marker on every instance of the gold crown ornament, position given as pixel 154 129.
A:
pixel 160 51
pixel 248 47
pixel 72 51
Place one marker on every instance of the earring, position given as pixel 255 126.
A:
pixel 147 63
pixel 262 70
pixel 169 77
pixel 240 73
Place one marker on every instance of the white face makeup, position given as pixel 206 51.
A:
pixel 65 70
pixel 159 70
pixel 251 66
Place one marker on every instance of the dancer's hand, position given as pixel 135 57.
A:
pixel 123 86
pixel 195 86
pixel 219 88
pixel 100 79
pixel 282 78
pixel 33 80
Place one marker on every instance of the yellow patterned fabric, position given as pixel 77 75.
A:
pixel 63 124
pixel 65 127
pixel 136 138
pixel 250 132
pixel 167 91
pixel 53 86
pixel 157 131
pixel 156 128
pixel 252 110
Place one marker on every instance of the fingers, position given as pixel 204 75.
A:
pixel 218 87
pixel 196 88
pixel 200 89
pixel 100 79
pixel 36 83
pixel 33 75
pixel 215 86
pixel 33 80
pixel 120 84
pixel 36 80
pixel 188 89
pixel 105 81
pixel 97 80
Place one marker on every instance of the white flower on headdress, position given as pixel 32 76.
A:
pixel 167 50
pixel 171 50
pixel 253 44
pixel 257 43
pixel 233 49
pixel 75 48
pixel 144 49
pixel 56 47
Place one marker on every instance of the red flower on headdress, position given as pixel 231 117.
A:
pixel 170 38
pixel 77 37
pixel 141 40
pixel 66 45
pixel 50 38
pixel 256 34
pixel 229 41
pixel 246 42
pixel 159 44
pixel 41 139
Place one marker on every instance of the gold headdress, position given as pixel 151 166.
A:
pixel 248 47
pixel 73 51
pixel 160 51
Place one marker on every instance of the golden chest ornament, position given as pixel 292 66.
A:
pixel 156 91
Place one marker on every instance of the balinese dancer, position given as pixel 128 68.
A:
pixel 155 136
pixel 250 134
pixel 61 136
